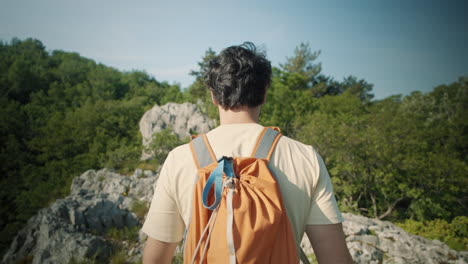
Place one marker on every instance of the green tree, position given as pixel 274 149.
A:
pixel 303 63
pixel 23 69
pixel 358 88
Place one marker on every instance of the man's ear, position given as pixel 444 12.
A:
pixel 213 98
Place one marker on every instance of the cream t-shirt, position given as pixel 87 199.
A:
pixel 301 173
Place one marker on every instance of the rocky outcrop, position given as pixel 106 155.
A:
pixel 375 241
pixel 184 119
pixel 76 227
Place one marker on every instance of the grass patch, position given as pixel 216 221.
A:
pixel 123 234
pixel 151 165
pixel 139 208
pixel 83 261
pixel 121 257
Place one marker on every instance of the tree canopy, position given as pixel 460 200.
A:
pixel 63 114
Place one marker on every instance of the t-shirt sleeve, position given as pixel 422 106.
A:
pixel 324 209
pixel 163 221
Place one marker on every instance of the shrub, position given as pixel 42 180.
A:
pixel 119 258
pixel 147 165
pixel 123 234
pixel 163 142
pixel 454 234
pixel 124 158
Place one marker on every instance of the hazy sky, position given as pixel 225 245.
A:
pixel 399 46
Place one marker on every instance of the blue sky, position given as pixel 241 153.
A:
pixel 399 46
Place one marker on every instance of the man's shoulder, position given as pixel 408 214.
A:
pixel 293 151
pixel 179 154
pixel 287 142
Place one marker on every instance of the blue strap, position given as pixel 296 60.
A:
pixel 216 179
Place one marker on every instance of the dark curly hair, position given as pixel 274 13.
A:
pixel 239 76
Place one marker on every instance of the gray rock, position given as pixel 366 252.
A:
pixel 181 118
pixel 75 227
pixel 49 237
pixel 375 241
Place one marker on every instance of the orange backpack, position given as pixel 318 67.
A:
pixel 238 214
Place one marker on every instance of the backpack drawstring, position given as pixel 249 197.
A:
pixel 216 178
pixel 229 183
pixel 209 228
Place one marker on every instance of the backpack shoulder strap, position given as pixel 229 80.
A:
pixel 263 149
pixel 202 152
pixel 266 143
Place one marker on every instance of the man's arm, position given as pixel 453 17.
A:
pixel 329 244
pixel 158 252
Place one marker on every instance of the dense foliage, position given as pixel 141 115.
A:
pixel 454 233
pixel 62 114
pixel 397 158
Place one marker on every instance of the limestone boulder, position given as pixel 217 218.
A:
pixel 183 119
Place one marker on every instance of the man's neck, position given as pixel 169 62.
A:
pixel 239 115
